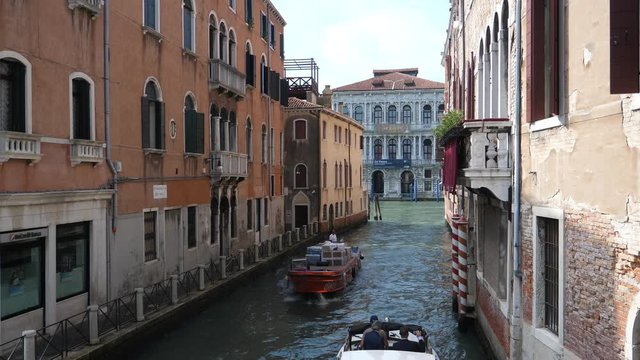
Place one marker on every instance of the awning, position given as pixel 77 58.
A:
pixel 450 170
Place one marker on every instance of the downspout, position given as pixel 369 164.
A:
pixel 516 320
pixel 107 140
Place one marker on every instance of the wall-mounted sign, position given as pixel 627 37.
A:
pixel 159 191
pixel 173 129
pixel 392 128
pixel 396 163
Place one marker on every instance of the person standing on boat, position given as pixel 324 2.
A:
pixel 374 338
pixel 333 237
pixel 404 344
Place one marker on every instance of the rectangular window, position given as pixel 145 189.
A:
pixel 263 26
pixel 266 211
pixel 324 212
pixel 335 133
pixel 273 185
pixel 258 214
pixel 81 94
pixel 194 132
pixel 232 4
pixel 150 252
pixel 187 28
pixel 324 130
pixel 271 147
pixel 281 147
pixel 249 214
pixel 282 45
pixel 150 12
pixel 191 227
pixel 548 238
pixel 12 95
pixel 248 11
pixel 21 274
pixel 272 36
pixel 339 135
pixel 427 185
pixel 72 259
pixel 625 58
pixel 300 129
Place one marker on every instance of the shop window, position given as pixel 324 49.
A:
pixel 191 227
pixel 21 274
pixel 72 259
pixel 150 249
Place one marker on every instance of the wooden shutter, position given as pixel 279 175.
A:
pixel 250 61
pixel 146 128
pixel 625 61
pixel 535 58
pixel 190 131
pixel 160 143
pixel 361 142
pixel 284 92
pixel 282 46
pixel 199 133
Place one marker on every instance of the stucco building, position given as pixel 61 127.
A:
pixel 399 111
pixel 552 245
pixel 180 167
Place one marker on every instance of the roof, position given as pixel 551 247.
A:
pixel 297 104
pixel 396 80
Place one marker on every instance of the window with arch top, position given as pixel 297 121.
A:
pixel 406 149
pixel 377 115
pixel 392 149
pixel 406 114
pixel 300 176
pixel 392 114
pixel 248 140
pixel 152 118
pixel 188 25
pixel 358 113
pixel 377 149
pixel 426 114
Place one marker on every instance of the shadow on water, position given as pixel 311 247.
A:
pixel 405 276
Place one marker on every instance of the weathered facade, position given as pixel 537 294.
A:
pixel 324 182
pixel 565 281
pixel 194 119
pixel 399 112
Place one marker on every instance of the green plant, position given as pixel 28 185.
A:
pixel 450 120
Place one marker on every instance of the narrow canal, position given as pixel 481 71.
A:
pixel 405 276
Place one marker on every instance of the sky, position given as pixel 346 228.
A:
pixel 350 38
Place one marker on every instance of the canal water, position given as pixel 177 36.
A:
pixel 405 276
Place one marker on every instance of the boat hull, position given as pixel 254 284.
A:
pixel 322 280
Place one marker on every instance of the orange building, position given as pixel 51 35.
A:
pixel 98 200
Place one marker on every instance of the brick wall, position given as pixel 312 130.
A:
pixel 490 308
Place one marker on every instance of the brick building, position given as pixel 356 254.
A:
pixel 180 167
pixel 563 278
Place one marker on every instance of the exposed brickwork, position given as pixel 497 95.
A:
pixel 491 310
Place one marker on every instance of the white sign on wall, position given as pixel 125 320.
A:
pixel 159 191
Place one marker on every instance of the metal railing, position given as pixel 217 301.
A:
pixel 55 341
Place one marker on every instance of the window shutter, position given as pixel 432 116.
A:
pixel 282 46
pixel 274 86
pixel 19 104
pixel 199 133
pixel 361 142
pixel 250 71
pixel 190 131
pixel 146 128
pixel 535 57
pixel 625 61
pixel 161 128
pixel 284 92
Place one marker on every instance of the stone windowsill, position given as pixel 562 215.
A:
pixel 153 151
pixel 190 54
pixel 152 32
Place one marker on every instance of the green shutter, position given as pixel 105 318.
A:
pixel 160 143
pixel 189 131
pixel 145 123
pixel 199 133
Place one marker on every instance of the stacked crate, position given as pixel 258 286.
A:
pixel 314 255
pixel 334 254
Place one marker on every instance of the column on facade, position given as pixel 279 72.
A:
pixel 227 144
pixel 494 76
pixel 228 227
pixel 434 112
pixel 216 133
pixel 503 74
pixel 479 90
pixel 487 83
pixel 216 218
pixel 385 153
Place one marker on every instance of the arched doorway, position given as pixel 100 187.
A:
pixel 224 226
pixel 406 182
pixel 377 180
pixel 331 217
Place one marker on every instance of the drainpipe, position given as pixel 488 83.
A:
pixel 107 140
pixel 516 320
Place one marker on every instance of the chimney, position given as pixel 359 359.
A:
pixel 327 94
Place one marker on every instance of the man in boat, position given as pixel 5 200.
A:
pixel 405 344
pixel 374 338
pixel 333 237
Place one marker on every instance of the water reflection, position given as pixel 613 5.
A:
pixel 405 276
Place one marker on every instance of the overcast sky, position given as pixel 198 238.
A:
pixel 350 38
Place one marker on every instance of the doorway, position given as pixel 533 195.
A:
pixel 377 178
pixel 406 182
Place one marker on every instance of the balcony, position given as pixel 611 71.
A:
pixel 226 78
pixel 86 151
pixel 228 165
pixel 18 145
pixel 92 6
pixel 487 163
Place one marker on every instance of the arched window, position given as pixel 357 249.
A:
pixel 152 118
pixel 440 112
pixel 300 180
pixel 213 37
pixel 82 106
pixel 406 114
pixel 224 119
pixel 324 174
pixel 300 129
pixel 427 149
pixel 233 143
pixel 15 98
pixel 340 175
pixel 335 173
pixel 222 43
pixel 377 115
pixel 358 113
pixel 392 149
pixel 232 49
pixel 324 212
pixel 392 114
pixel 193 127
pixel 426 114
pixel 406 149
pixel 345 110
pixel 188 25
pixel 377 149
pixel 264 144
pixel 248 140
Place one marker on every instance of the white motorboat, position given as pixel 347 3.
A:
pixel 350 349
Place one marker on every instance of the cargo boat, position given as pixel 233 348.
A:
pixel 326 268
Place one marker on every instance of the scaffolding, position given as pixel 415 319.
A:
pixel 302 77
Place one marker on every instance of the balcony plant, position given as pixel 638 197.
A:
pixel 450 121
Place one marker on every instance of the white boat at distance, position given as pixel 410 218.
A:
pixel 350 348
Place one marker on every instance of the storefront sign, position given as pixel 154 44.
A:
pixel 24 235
pixel 159 191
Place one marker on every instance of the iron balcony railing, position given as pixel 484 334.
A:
pixel 226 164
pixel 226 77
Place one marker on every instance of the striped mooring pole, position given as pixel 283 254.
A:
pixel 463 226
pixel 454 262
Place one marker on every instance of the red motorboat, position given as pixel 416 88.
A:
pixel 327 268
